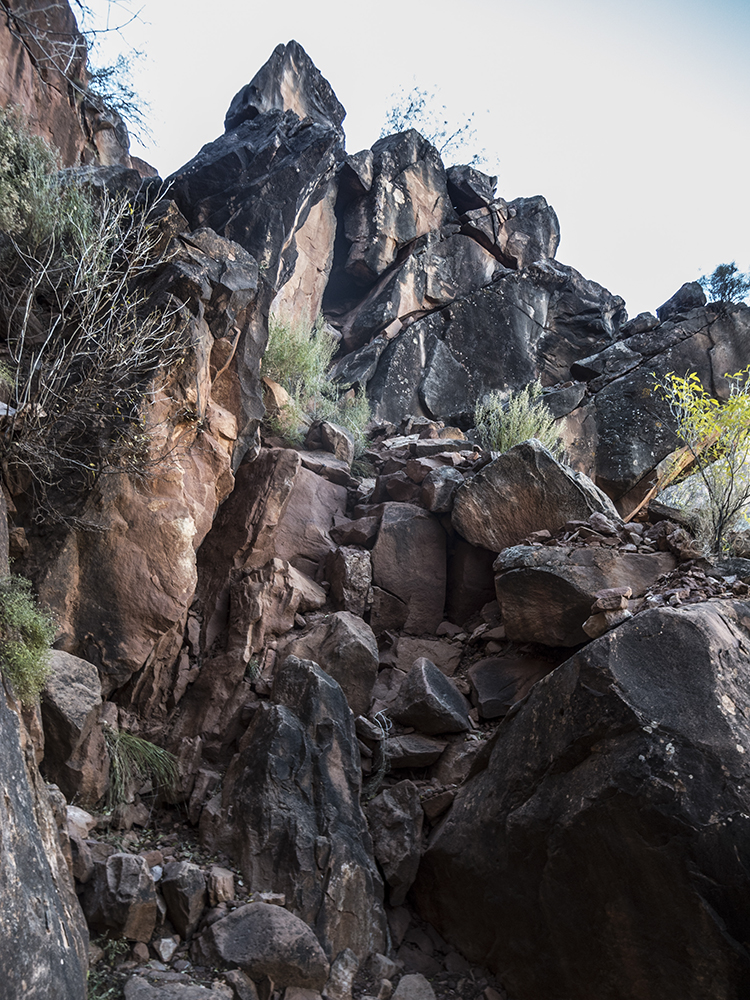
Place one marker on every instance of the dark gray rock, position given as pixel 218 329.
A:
pixel 689 296
pixel 642 323
pixel 42 929
pixel 526 489
pixel 498 682
pixel 524 326
pixel 379 223
pixel 257 184
pixel 120 898
pixel 439 488
pixel 613 806
pixel 289 81
pixel 265 940
pixel 395 819
pixel 183 886
pixel 469 188
pixel 413 750
pixel 295 784
pixel 430 702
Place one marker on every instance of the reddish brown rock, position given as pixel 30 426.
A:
pixel 499 681
pixel 75 752
pixel 120 897
pixel 523 490
pixel 546 594
pixel 409 562
pixel 349 571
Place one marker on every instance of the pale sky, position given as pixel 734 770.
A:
pixel 632 117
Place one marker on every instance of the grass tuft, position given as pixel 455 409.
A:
pixel 135 760
pixel 26 634
pixel 504 421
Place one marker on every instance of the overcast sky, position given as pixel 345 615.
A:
pixel 632 117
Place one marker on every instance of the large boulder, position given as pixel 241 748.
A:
pixel 267 941
pixel 409 562
pixel 395 818
pixel 612 809
pixel 289 813
pixel 75 754
pixel 633 429
pixel 546 594
pixel 430 702
pixel 434 274
pixel 258 184
pixel 346 648
pixel 523 490
pixel 42 929
pixel 120 898
pixel 518 233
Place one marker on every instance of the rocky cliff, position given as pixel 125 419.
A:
pixel 438 713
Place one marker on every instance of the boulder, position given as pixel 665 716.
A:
pixel 546 594
pixel 349 571
pixel 341 978
pixel 183 886
pixel 414 987
pixel 75 752
pixel 413 750
pixel 395 820
pixel 43 931
pixel 613 806
pixel 289 81
pixel 436 272
pixel 120 898
pixel 469 188
pixel 439 489
pixel 267 941
pixel 139 987
pixel 346 648
pixel 408 198
pixel 430 702
pixel 518 233
pixel 295 786
pixel 526 489
pixel 408 562
pixel 444 653
pixel 689 296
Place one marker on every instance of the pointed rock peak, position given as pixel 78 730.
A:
pixel 289 81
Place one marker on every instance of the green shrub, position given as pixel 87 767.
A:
pixel 299 360
pixel 134 760
pixel 26 634
pixel 503 421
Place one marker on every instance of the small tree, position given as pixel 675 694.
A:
pixel 718 439
pixel 726 284
pixel 419 109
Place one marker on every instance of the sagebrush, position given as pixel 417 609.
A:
pixel 26 635
pixel 503 420
pixel 81 341
pixel 717 436
pixel 299 359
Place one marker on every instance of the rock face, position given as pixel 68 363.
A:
pixel 289 811
pixel 44 935
pixel 527 324
pixel 629 816
pixel 523 490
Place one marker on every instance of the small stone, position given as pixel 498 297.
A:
pixel 140 952
pixel 166 947
pixel 220 885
